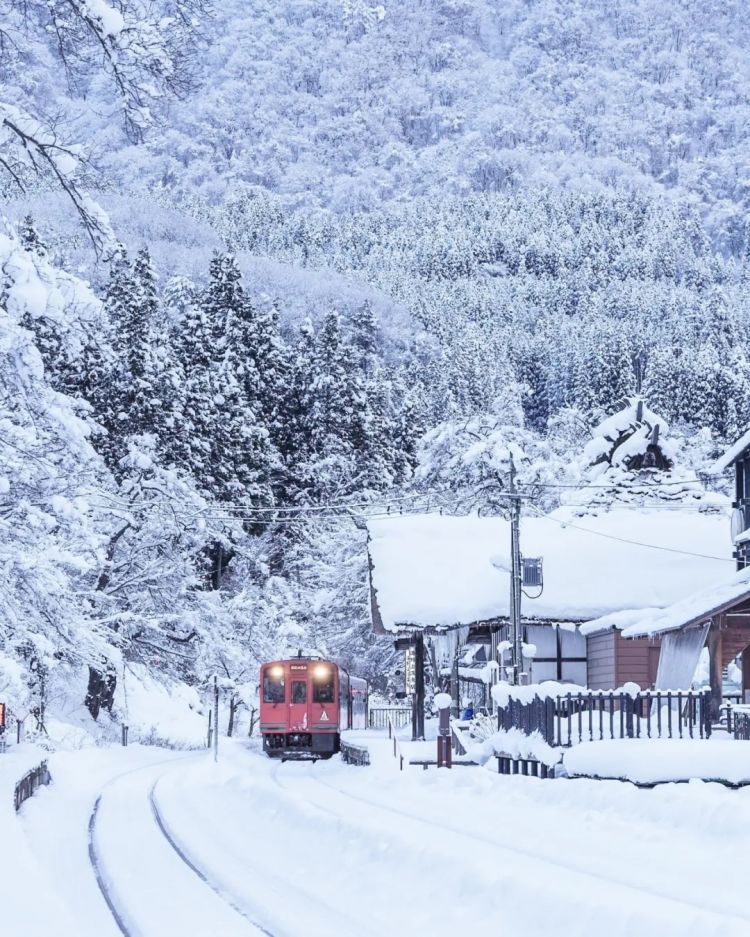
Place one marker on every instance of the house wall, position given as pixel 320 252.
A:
pixel 612 660
pixel 636 661
pixel 600 660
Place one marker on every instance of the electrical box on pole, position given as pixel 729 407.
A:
pixel 532 572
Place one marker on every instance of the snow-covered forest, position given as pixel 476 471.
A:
pixel 268 266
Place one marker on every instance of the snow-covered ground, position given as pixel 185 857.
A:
pixel 186 848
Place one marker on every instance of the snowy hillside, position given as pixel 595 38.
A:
pixel 271 268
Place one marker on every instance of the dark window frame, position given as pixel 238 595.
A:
pixel 278 682
pixel 329 685
pixel 295 685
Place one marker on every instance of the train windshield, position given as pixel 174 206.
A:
pixel 299 691
pixel 274 688
pixel 323 688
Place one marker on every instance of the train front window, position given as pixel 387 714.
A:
pixel 323 686
pixel 274 688
pixel 299 691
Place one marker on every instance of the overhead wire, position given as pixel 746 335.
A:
pixel 635 543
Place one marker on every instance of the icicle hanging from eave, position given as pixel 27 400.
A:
pixel 446 644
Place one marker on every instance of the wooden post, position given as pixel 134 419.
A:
pixel 419 682
pixel 715 669
pixel 745 674
pixel 216 719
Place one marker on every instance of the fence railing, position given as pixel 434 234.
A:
pixel 354 754
pixel 398 752
pixel 29 783
pixel 568 719
pixel 740 727
pixel 379 716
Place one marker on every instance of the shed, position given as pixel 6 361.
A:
pixel 718 616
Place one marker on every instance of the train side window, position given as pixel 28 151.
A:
pixel 299 691
pixel 323 690
pixel 274 689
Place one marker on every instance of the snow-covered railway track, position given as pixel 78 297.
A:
pixel 191 864
pixel 151 886
pixel 100 879
pixel 717 916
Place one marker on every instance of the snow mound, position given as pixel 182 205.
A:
pixel 653 761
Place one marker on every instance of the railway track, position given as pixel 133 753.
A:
pixel 634 892
pixel 142 901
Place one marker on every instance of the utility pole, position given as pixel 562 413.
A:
pixel 515 578
pixel 216 718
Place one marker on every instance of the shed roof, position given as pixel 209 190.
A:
pixel 430 571
pixel 694 609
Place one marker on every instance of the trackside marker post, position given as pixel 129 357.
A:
pixel 216 718
pixel 444 753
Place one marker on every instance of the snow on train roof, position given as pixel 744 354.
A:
pixel 434 571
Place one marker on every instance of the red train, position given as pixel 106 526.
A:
pixel 305 704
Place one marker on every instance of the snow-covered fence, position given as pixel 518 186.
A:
pixel 29 783
pixel 563 719
pixel 379 716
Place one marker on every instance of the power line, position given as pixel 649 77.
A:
pixel 613 485
pixel 635 543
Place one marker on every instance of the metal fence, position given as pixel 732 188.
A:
pixel 563 721
pixel 399 716
pixel 29 783
pixel 355 754
pixel 740 727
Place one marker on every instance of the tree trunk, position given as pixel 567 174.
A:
pixel 101 691
pixel 232 711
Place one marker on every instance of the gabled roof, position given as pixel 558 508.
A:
pixel 435 572
pixel 731 455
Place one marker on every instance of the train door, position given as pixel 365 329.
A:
pixel 344 722
pixel 299 719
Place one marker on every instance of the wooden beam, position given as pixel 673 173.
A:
pixel 715 669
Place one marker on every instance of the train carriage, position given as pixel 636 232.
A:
pixel 305 704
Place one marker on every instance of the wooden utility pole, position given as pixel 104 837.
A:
pixel 216 718
pixel 515 579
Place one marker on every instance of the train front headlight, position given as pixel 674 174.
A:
pixel 321 672
pixel 276 672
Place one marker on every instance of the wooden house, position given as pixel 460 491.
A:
pixel 439 577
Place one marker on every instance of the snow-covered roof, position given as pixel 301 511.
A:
pixel 435 571
pixel 694 609
pixel 724 461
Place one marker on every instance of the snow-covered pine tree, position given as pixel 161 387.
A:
pixel 331 400
pixel 293 433
pixel 603 371
pixel 134 404
pixel 241 457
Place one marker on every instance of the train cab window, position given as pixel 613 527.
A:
pixel 274 688
pixel 323 688
pixel 299 691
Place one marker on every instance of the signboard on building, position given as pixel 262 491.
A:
pixel 410 671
